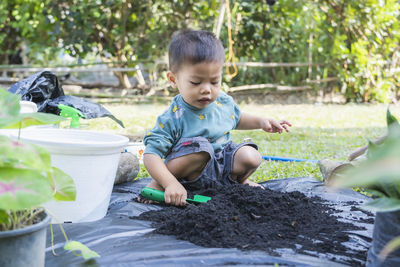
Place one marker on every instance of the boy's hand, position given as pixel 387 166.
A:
pixel 175 194
pixel 272 126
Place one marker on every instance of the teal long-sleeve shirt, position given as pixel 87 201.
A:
pixel 182 120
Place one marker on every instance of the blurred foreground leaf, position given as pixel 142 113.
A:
pixel 86 252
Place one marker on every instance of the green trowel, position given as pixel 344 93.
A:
pixel 158 195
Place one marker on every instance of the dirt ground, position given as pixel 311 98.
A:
pixel 251 218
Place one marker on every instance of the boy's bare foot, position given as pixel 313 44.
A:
pixel 153 184
pixel 252 184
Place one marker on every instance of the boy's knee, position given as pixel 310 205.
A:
pixel 199 157
pixel 186 165
pixel 249 157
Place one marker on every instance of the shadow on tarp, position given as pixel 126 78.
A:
pixel 44 89
pixel 125 242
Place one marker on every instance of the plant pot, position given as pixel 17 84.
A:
pixel 25 246
pixel 386 228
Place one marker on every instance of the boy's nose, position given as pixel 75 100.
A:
pixel 206 88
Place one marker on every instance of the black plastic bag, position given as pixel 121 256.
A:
pixel 39 88
pixel 44 89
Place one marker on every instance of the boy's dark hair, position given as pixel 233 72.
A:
pixel 194 47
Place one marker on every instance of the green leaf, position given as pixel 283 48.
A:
pixel 11 118
pixel 29 119
pixel 23 155
pixel 374 191
pixel 383 204
pixel 6 121
pixel 9 108
pixel 23 189
pixel 390 149
pixel 391 189
pixel 381 172
pixel 372 147
pixel 385 170
pixel 86 252
pixel 63 185
pixel 390 119
pixel 393 126
pixel 4 218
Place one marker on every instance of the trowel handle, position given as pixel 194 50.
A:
pixel 153 194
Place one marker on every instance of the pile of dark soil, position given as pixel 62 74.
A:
pixel 251 218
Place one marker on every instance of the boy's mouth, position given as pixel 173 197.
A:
pixel 205 100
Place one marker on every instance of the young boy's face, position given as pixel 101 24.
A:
pixel 199 84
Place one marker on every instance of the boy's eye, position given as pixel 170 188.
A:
pixel 215 83
pixel 194 83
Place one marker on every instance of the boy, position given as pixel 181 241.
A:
pixel 193 133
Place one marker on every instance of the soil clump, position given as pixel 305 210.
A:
pixel 251 218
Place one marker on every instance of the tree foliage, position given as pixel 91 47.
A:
pixel 364 46
pixel 358 41
pixel 25 23
pixel 124 31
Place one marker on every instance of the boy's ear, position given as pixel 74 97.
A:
pixel 172 79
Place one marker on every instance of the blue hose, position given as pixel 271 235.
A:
pixel 289 159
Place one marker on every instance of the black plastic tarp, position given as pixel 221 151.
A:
pixel 44 89
pixel 122 241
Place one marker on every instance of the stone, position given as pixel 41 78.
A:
pixel 331 169
pixel 128 168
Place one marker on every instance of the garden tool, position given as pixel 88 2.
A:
pixel 158 195
pixel 73 113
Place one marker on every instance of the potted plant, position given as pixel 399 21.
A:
pixel 380 176
pixel 27 180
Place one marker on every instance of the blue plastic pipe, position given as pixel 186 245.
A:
pixel 289 159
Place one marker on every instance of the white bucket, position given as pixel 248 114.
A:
pixel 91 159
pixel 137 149
pixel 27 107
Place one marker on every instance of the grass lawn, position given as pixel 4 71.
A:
pixel 319 131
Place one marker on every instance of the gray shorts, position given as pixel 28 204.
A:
pixel 218 168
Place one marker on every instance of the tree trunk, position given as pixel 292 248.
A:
pixel 220 19
pixel 139 76
pixel 123 80
pixel 4 74
pixel 310 46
